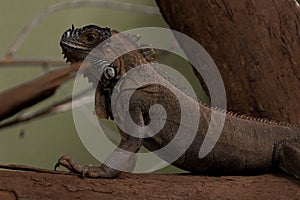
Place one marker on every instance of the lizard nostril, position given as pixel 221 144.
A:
pixel 68 34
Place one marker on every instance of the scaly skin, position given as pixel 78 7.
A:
pixel 246 146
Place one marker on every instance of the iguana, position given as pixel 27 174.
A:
pixel 246 146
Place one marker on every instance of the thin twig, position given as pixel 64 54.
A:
pixel 33 62
pixel 57 107
pixel 75 4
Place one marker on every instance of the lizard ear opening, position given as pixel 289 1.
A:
pixel 110 72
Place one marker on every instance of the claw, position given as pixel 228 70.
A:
pixel 67 162
pixel 57 165
pixel 86 171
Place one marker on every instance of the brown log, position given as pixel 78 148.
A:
pixel 255 45
pixel 33 185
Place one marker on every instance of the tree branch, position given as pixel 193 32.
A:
pixel 57 107
pixel 33 62
pixel 30 93
pixel 33 185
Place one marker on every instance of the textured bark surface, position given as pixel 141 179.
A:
pixel 255 45
pixel 32 185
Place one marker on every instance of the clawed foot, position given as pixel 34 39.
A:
pixel 67 162
pixel 86 171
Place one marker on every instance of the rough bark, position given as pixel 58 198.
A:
pixel 255 45
pixel 33 185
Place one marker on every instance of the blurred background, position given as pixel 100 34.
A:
pixel 42 141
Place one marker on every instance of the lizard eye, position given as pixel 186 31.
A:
pixel 110 72
pixel 90 37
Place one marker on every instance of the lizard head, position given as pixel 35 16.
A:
pixel 77 43
pixel 81 44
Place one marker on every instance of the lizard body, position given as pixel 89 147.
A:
pixel 246 146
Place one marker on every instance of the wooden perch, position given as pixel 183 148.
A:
pixel 34 185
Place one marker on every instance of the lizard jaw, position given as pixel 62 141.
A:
pixel 72 57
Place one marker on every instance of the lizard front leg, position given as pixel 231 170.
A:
pixel 123 158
